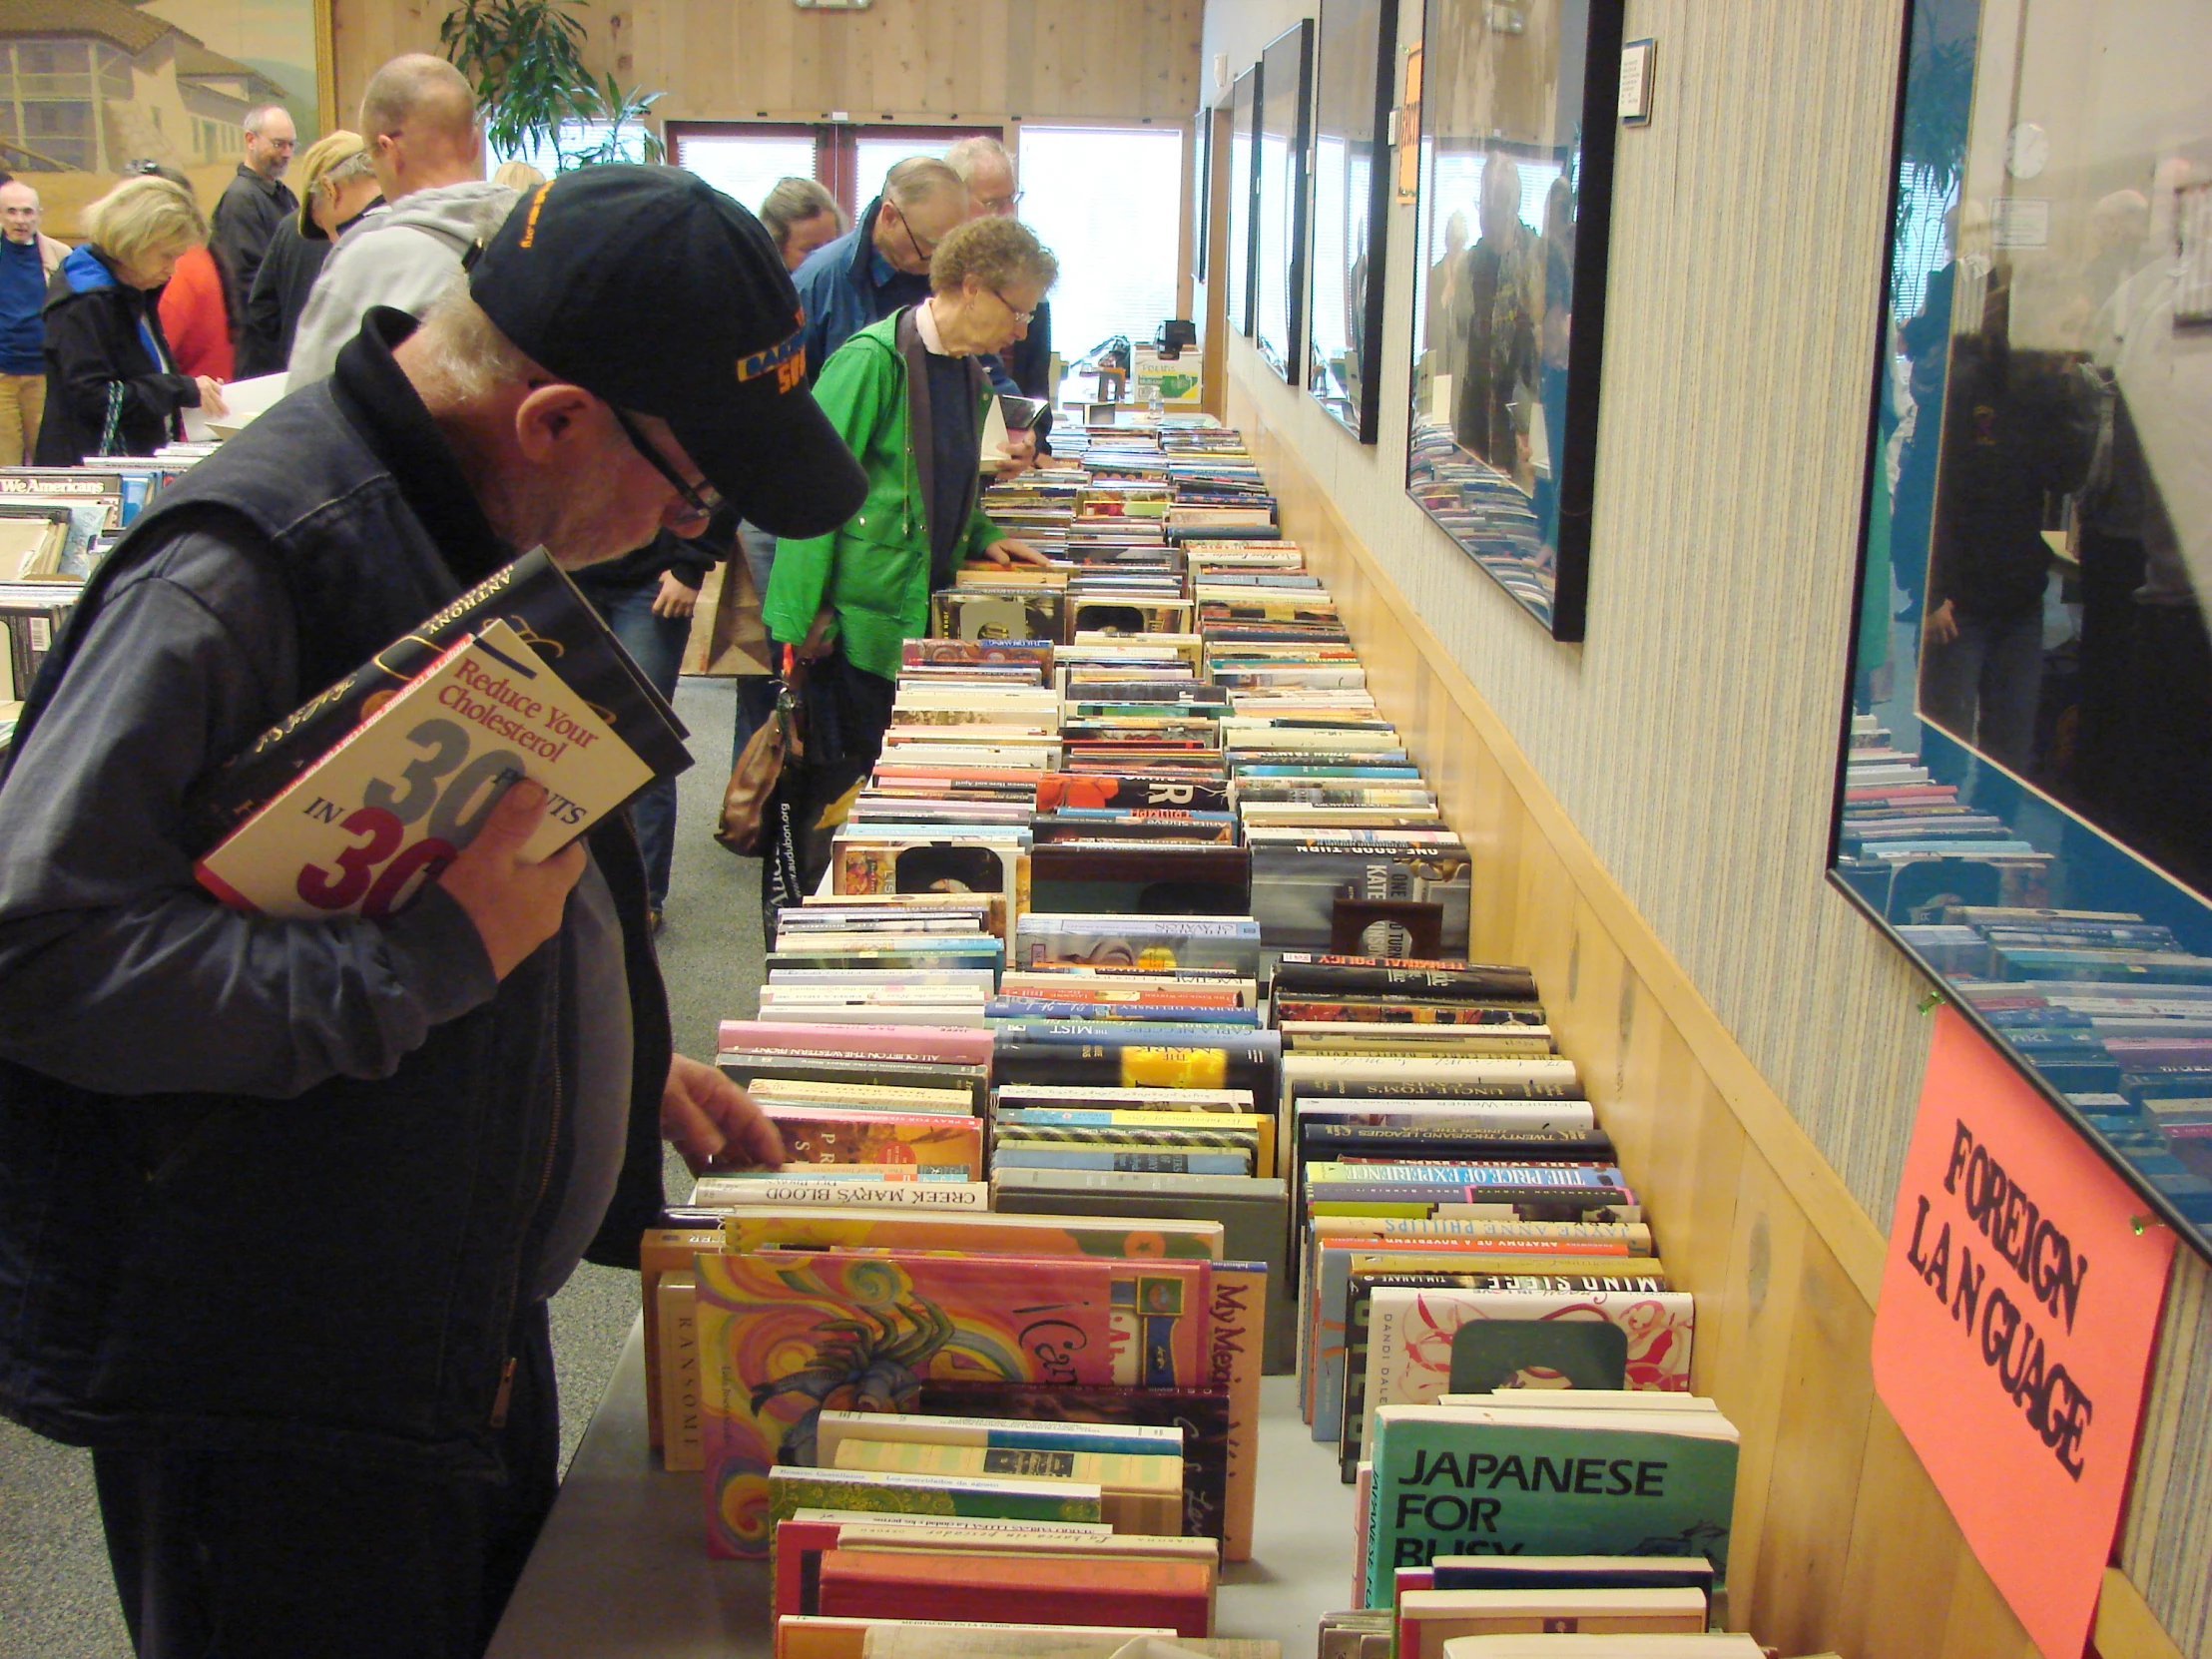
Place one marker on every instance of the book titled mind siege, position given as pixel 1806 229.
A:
pixel 360 829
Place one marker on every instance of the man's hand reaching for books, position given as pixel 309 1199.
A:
pixel 516 907
pixel 713 1122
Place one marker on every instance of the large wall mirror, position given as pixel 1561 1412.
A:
pixel 2025 787
pixel 1244 183
pixel 1285 103
pixel 1352 204
pixel 1519 108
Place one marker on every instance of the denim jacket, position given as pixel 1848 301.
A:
pixel 271 1185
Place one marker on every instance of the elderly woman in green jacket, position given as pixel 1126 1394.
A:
pixel 909 400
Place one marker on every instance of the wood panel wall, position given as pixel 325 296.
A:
pixel 1840 1541
pixel 899 59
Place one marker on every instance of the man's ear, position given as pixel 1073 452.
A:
pixel 554 423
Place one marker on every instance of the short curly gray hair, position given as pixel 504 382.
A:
pixel 997 253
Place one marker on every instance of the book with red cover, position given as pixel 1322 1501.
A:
pixel 921 1584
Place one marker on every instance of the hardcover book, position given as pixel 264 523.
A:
pixel 359 829
pixel 536 600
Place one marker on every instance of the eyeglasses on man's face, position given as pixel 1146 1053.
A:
pixel 702 498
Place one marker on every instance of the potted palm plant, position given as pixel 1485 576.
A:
pixel 525 59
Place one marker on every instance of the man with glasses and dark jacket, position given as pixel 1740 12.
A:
pixel 281 1203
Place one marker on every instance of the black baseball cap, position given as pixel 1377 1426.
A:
pixel 655 291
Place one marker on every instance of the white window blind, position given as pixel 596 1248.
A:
pixel 1107 202
pixel 743 165
pixel 575 135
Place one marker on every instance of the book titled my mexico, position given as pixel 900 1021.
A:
pixel 365 825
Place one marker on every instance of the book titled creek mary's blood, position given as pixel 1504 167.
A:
pixel 536 598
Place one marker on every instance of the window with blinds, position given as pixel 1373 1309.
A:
pixel 744 164
pixel 1108 203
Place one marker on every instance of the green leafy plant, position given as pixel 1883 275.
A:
pixel 525 58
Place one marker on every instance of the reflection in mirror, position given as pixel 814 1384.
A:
pixel 2028 792
pixel 1352 193
pixel 1287 80
pixel 1244 121
pixel 1515 197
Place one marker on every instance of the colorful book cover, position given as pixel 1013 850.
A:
pixel 1461 1482
pixel 1005 1235
pixel 1238 1357
pixel 783 1337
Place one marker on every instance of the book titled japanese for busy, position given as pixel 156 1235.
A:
pixel 360 829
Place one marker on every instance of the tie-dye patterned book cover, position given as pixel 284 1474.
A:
pixel 785 1336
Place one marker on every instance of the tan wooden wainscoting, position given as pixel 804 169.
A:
pixel 1840 1542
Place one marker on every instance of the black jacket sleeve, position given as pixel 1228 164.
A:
pixel 261 318
pixel 92 345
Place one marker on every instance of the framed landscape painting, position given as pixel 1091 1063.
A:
pixel 90 86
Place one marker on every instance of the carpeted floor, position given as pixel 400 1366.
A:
pixel 56 1599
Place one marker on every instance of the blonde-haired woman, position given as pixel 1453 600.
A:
pixel 519 176
pixel 337 190
pixel 112 387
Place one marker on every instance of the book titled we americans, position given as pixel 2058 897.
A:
pixel 360 830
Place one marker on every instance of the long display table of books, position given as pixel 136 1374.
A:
pixel 619 1570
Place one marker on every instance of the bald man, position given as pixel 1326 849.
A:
pixel 255 201
pixel 419 117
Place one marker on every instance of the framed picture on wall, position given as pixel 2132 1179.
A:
pixel 2023 798
pixel 170 81
pixel 1351 207
pixel 1202 186
pixel 1285 135
pixel 1244 187
pixel 1514 214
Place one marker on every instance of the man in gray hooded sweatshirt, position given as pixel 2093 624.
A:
pixel 420 120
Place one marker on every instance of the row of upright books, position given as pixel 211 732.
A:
pixel 55 524
pixel 1111 962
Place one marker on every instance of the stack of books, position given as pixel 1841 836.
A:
pixel 1461 1216
pixel 1000 1333
pixel 1331 804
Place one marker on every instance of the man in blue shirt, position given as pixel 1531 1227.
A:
pixel 882 262
pixel 27 262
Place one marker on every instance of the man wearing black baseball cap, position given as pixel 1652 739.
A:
pixel 282 1202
